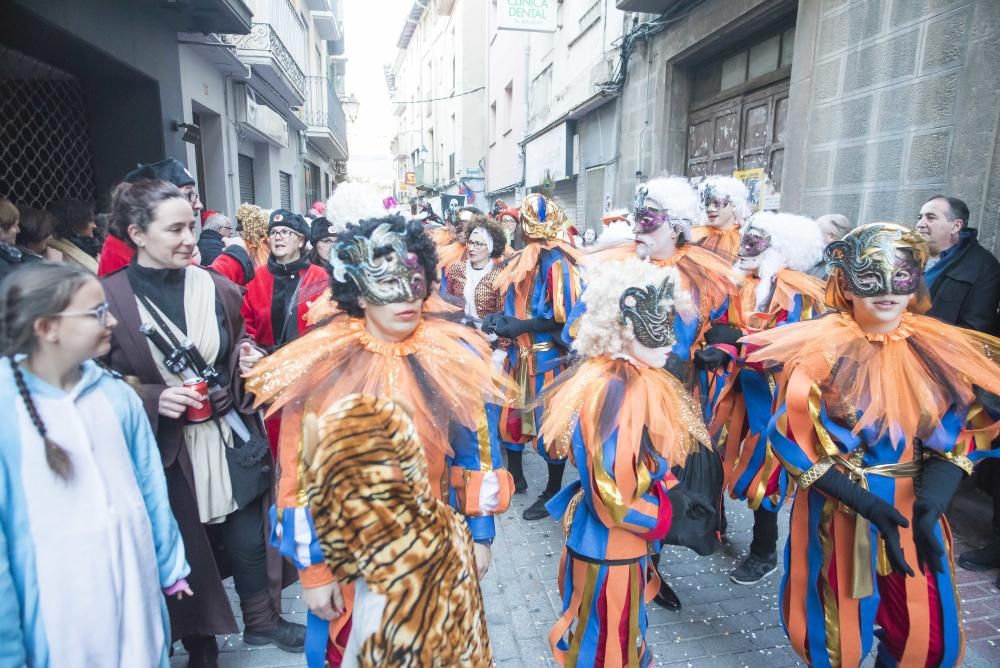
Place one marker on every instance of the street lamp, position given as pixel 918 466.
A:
pixel 351 105
pixel 423 153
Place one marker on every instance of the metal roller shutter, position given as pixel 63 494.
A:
pixel 285 184
pixel 245 167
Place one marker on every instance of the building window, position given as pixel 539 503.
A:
pixel 311 182
pixel 285 187
pixel 743 67
pixel 508 97
pixel 540 87
pixel 245 167
pixel 451 166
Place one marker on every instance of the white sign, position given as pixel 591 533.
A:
pixel 527 15
pixel 547 152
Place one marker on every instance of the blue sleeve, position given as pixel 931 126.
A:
pixel 476 453
pixel 12 650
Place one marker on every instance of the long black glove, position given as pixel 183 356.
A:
pixel 939 481
pixel 510 327
pixel 885 518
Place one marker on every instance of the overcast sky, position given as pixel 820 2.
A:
pixel 371 28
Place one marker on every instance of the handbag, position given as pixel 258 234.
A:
pixel 696 502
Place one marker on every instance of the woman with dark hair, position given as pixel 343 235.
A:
pixel 387 344
pixel 75 232
pixel 176 321
pixel 89 539
pixel 35 235
pixel 11 256
pixel 322 238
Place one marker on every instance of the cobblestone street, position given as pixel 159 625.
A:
pixel 722 624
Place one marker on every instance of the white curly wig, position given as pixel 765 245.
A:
pixel 734 189
pixel 352 202
pixel 676 196
pixel 602 331
pixel 796 243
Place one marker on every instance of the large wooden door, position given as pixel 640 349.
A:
pixel 742 132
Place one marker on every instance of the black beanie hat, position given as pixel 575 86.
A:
pixel 165 170
pixel 289 219
pixel 320 230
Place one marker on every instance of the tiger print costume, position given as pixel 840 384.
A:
pixel 376 519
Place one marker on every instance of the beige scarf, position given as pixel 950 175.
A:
pixel 206 442
pixel 74 255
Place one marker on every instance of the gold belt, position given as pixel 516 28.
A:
pixel 523 379
pixel 862 583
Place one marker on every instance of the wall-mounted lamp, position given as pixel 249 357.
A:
pixel 192 133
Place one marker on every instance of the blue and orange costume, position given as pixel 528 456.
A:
pixel 877 429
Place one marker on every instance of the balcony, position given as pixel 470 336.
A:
pixel 206 16
pixel 326 126
pixel 270 60
pixel 652 6
pixel 327 26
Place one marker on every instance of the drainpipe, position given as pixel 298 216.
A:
pixel 641 139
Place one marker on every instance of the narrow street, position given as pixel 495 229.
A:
pixel 722 625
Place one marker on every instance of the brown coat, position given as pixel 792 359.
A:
pixel 209 612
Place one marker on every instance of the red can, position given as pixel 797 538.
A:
pixel 195 415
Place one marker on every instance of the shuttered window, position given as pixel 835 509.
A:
pixel 285 184
pixel 245 166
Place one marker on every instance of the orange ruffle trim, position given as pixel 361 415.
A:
pixel 652 398
pixel 903 381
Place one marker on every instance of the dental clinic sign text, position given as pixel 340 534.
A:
pixel 530 15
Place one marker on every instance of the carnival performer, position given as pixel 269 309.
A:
pixel 89 542
pixel 706 336
pixel 408 555
pixel 472 282
pixel 624 421
pixel 725 200
pixel 541 285
pixel 775 252
pixel 386 344
pixel 177 323
pixel 880 416
pixel 252 223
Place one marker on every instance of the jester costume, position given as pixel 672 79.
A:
pixel 624 425
pixel 877 429
pixel 541 284
pixel 441 372
pixel 724 200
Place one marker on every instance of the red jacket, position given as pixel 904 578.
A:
pixel 259 297
pixel 234 263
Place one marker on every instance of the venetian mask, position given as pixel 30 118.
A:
pixel 649 217
pixel 383 268
pixel 650 311
pixel 878 259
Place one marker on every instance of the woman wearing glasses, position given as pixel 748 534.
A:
pixel 89 540
pixel 279 296
pixel 219 470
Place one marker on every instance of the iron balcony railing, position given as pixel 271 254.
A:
pixel 323 109
pixel 263 40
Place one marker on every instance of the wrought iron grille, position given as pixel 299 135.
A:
pixel 44 141
pixel 264 41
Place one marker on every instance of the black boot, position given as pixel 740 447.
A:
pixel 985 558
pixel 537 511
pixel 263 625
pixel 515 464
pixel 665 597
pixel 203 651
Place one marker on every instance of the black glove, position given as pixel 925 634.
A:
pixel 490 322
pixel 711 358
pixel 679 368
pixel 510 327
pixel 939 480
pixel 721 333
pixel 885 518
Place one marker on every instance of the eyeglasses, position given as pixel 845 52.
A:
pixel 281 233
pixel 476 244
pixel 102 312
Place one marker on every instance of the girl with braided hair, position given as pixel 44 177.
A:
pixel 80 475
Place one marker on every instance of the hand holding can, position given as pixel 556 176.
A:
pixel 196 415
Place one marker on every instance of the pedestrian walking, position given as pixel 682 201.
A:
pixel 90 545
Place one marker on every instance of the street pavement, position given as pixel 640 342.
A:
pixel 722 624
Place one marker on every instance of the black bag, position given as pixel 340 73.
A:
pixel 249 468
pixel 697 502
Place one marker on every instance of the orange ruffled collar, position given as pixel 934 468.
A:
pixel 649 398
pixel 443 372
pixel 902 382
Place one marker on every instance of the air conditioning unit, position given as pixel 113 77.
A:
pixel 260 120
